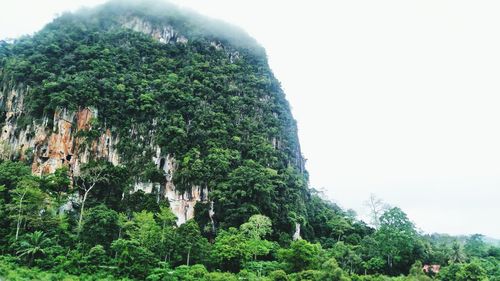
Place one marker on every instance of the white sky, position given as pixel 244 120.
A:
pixel 398 98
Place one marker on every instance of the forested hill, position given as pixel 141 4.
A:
pixel 186 104
pixel 143 141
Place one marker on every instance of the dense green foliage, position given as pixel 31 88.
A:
pixel 116 241
pixel 222 115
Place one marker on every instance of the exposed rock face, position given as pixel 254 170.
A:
pixel 181 203
pixel 296 235
pixel 164 34
pixel 168 35
pixel 50 148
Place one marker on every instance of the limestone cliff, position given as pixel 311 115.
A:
pixel 52 145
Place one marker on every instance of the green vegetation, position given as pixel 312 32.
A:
pixel 222 115
pixel 43 234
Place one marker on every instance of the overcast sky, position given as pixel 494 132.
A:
pixel 397 98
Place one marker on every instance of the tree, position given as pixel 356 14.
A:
pixel 140 201
pixel 26 202
pixel 375 264
pixel 124 223
pixel 257 227
pixel 346 256
pixel 145 230
pixel 332 271
pixel 475 246
pixel 112 190
pixel 162 272
pixel 230 249
pixel 190 245
pixel 4 222
pixel 132 259
pixel 221 276
pixel 472 272
pixel 195 272
pixel 278 275
pixel 10 175
pixel 339 226
pixel 248 190
pixel 33 245
pixel 396 239
pixel 417 273
pixel 100 226
pixel 308 275
pixel 167 220
pixel 457 254
pixel 301 255
pixel 377 207
pixel 12 172
pixel 58 185
pixel 449 273
pixel 90 175
pixel 96 258
pixel 259 247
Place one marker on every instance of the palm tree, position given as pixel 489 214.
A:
pixel 457 254
pixel 33 244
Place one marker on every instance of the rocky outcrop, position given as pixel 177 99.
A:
pixel 168 35
pixel 296 234
pixel 164 34
pixel 181 203
pixel 52 145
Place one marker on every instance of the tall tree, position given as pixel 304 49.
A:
pixel 90 175
pixel 26 202
pixel 339 226
pixel 257 227
pixel 376 208
pixel 457 253
pixel 189 242
pixel 167 221
pixel 301 255
pixel 397 239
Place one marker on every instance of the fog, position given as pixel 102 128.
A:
pixel 397 98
